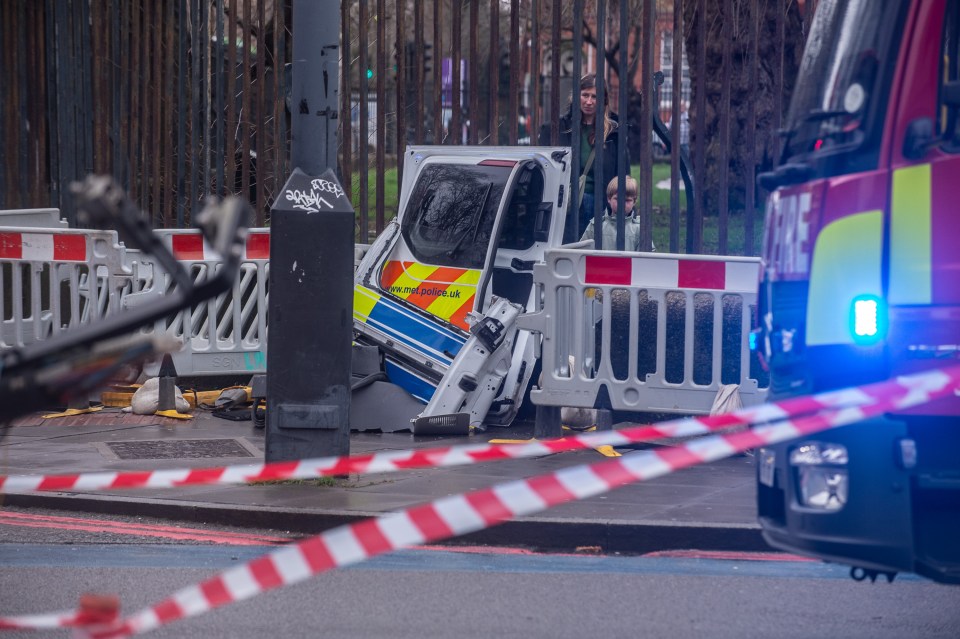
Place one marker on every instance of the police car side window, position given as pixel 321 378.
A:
pixel 451 213
pixel 521 216
pixel 948 116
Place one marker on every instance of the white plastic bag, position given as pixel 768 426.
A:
pixel 147 398
pixel 727 399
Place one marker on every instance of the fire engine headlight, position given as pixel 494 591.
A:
pixel 822 478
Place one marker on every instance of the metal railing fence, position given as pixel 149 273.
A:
pixel 181 98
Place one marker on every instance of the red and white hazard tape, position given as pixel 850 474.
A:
pixel 472 453
pixel 461 514
pixel 94 611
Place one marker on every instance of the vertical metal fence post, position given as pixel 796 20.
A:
pixel 493 123
pixel 645 191
pixel 695 226
pixel 473 77
pixel 437 69
pixel 623 108
pixel 381 72
pixel 750 186
pixel 515 71
pixel 419 70
pixel 727 34
pixel 346 107
pixel 364 138
pixel 400 49
pixel 572 226
pixel 456 96
pixel 555 73
pixel 676 126
pixel 599 128
pixel 261 122
pixel 534 101
pixel 182 115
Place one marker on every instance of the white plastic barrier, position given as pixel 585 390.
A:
pixel 655 332
pixel 32 218
pixel 54 279
pixel 225 335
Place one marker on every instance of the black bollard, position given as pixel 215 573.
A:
pixel 310 320
pixel 167 385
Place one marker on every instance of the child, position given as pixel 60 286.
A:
pixel 631 222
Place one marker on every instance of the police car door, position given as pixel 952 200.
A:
pixel 472 222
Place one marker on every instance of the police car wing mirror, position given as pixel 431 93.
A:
pixel 541 225
pixel 918 138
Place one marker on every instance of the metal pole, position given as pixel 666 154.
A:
pixel 316 85
pixel 311 258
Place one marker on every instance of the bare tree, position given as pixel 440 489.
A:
pixel 773 41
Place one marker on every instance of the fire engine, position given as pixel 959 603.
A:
pixel 861 281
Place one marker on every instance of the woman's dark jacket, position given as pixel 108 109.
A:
pixel 610 147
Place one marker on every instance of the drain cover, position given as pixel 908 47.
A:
pixel 179 449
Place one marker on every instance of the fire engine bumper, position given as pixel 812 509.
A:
pixel 859 496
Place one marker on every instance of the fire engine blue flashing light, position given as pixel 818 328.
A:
pixel 753 341
pixel 867 319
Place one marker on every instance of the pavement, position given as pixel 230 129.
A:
pixel 708 507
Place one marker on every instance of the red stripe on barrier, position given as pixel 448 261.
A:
pixel 258 246
pixel 11 246
pixel 608 270
pixel 187 247
pixel 702 275
pixel 70 248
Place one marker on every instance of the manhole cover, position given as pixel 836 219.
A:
pixel 179 449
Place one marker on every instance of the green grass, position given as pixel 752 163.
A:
pixel 661 217
pixel 391 194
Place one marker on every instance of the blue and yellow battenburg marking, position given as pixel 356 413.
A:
pixel 391 319
pixel 443 291
pixel 396 322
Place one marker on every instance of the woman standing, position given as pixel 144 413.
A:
pixel 588 148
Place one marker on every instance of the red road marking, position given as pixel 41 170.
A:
pixel 145 530
pixel 729 555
